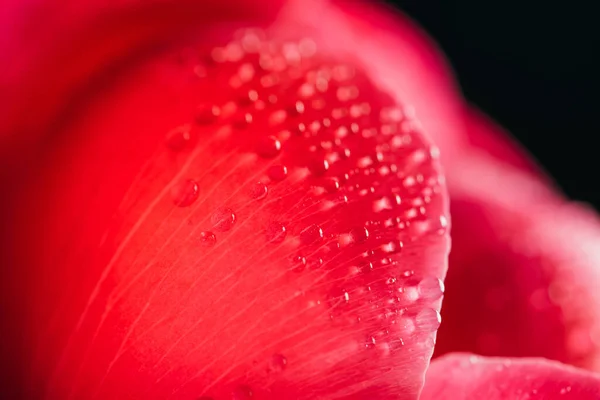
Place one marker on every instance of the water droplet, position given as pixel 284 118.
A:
pixel 277 173
pixel 565 390
pixel 242 121
pixel 204 398
pixel 331 185
pixel 298 263
pixel 258 191
pixel 318 167
pixel 428 320
pixel 423 225
pixel 338 299
pixel 359 234
pixel 276 232
pixel 311 234
pixel 185 193
pixel 269 147
pixel 179 138
pixel 278 363
pixel 207 239
pixel 223 219
pixel 407 294
pixel 392 247
pixel 347 93
pixel 370 342
pixel 243 392
pixel 207 114
pixel 365 267
pixel 431 288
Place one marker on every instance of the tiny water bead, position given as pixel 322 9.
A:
pixel 370 342
pixel 431 288
pixel 223 219
pixel 423 225
pixel 278 363
pixel 298 263
pixel 179 138
pixel 331 185
pixel 242 121
pixel 338 299
pixel 359 234
pixel 311 234
pixel 428 320
pixel 243 392
pixel 207 239
pixel 365 267
pixel 185 193
pixel 258 191
pixel 269 147
pixel 318 167
pixel 207 114
pixel 277 173
pixel 276 232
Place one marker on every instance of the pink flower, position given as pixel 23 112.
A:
pixel 232 200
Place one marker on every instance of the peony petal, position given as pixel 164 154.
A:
pixel 524 267
pixel 59 49
pixel 126 292
pixel 487 136
pixel 470 377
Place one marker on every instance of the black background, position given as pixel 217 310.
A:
pixel 534 66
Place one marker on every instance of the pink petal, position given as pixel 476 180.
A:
pixel 119 296
pixel 470 377
pixel 524 267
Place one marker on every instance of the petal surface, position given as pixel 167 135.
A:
pixel 523 267
pixel 470 377
pixel 251 213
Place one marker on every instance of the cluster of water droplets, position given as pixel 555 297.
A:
pixel 354 151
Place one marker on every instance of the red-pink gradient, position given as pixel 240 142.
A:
pixel 270 200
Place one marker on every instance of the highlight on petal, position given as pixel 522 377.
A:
pixel 471 377
pixel 524 273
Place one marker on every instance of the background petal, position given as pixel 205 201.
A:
pixel 470 377
pixel 524 267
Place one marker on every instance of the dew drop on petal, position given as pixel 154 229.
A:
pixel 258 191
pixel 276 232
pixel 243 392
pixel 428 320
pixel 269 147
pixel 278 363
pixel 179 138
pixel 185 193
pixel 207 239
pixel 207 114
pixel 318 167
pixel 331 185
pixel 223 219
pixel 370 342
pixel 298 263
pixel 311 234
pixel 277 173
pixel 365 267
pixel 431 288
pixel 359 234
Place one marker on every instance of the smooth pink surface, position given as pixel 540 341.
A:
pixel 468 377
